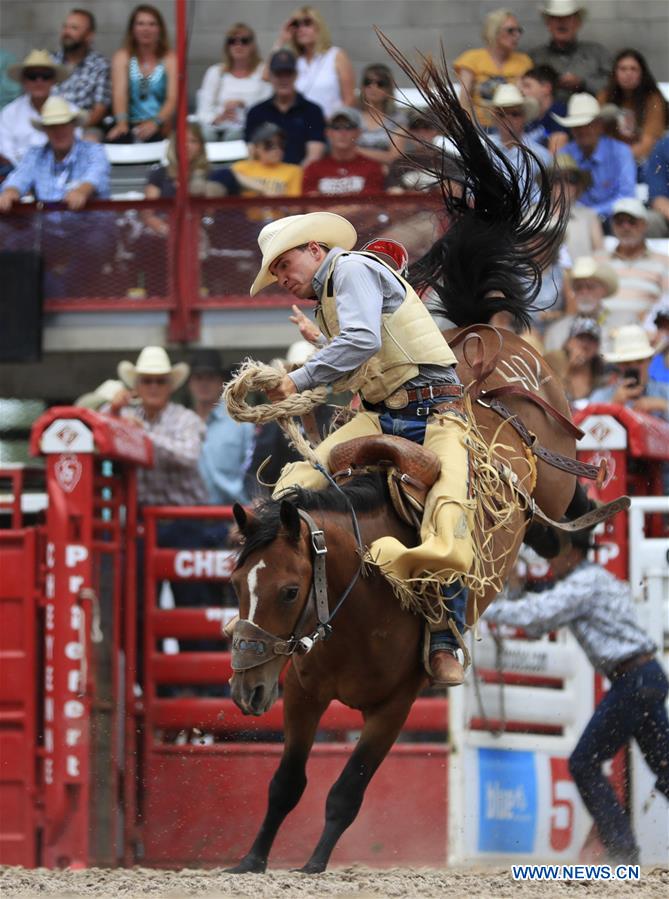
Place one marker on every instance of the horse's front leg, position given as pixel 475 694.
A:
pixel 301 714
pixel 382 725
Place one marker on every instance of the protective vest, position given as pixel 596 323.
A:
pixel 409 338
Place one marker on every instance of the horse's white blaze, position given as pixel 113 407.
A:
pixel 252 581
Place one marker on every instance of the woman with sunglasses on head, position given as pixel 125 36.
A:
pixel 144 80
pixel 483 69
pixel 324 73
pixel 231 87
pixel 379 116
pixel 641 109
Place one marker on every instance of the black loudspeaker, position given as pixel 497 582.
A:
pixel 21 291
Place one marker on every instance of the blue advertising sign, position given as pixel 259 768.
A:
pixel 507 801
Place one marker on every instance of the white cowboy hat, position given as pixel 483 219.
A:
pixel 507 96
pixel 57 111
pixel 293 231
pixel 587 267
pixel 581 110
pixel 561 8
pixel 630 344
pixel 39 59
pixel 153 360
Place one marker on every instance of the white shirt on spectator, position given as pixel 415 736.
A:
pixel 218 87
pixel 17 133
pixel 318 81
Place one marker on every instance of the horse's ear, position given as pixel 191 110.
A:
pixel 290 519
pixel 240 516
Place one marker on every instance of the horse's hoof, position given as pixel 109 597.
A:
pixel 247 866
pixel 310 868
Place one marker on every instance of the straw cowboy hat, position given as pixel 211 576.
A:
pixel 293 231
pixel 39 59
pixel 57 111
pixel 581 110
pixel 560 8
pixel 630 344
pixel 507 96
pixel 587 267
pixel 153 360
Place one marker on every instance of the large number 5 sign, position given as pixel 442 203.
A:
pixel 564 795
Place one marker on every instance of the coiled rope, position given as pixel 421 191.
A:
pixel 253 376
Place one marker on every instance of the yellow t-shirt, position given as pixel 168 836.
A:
pixel 258 180
pixel 488 75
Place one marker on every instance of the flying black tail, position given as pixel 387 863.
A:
pixel 490 259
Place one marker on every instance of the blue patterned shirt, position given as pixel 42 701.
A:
pixel 89 83
pixel 50 180
pixel 613 172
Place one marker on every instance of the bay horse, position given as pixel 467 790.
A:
pixel 372 660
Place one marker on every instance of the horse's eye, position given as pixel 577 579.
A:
pixel 289 594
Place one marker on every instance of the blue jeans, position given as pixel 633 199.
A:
pixel 406 423
pixel 633 707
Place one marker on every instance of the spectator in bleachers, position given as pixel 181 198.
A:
pixel 343 170
pixel 228 445
pixel 610 162
pixel 144 80
pixel 584 234
pixel 592 282
pixel 37 75
pixel 539 85
pixel 379 115
pixel 230 88
pixel 658 370
pixel 510 112
pixel 579 362
pixel 629 383
pixel 657 178
pixel 300 120
pixel 641 110
pixel 88 86
pixel 324 73
pixel 643 274
pixel 71 171
pixel 420 152
pixel 175 432
pixel 582 66
pixel 264 173
pixel 9 89
pixel 483 70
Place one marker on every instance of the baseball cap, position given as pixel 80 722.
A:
pixel 631 206
pixel 282 61
pixel 346 112
pixel 266 131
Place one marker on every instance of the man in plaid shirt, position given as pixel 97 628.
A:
pixel 89 85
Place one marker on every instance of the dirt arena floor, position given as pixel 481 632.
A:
pixel 357 881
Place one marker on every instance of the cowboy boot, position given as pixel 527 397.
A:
pixel 443 665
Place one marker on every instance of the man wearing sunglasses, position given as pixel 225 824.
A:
pixel 37 75
pixel 300 120
pixel 343 170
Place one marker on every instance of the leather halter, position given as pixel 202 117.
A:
pixel 252 646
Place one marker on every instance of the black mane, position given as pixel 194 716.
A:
pixel 365 493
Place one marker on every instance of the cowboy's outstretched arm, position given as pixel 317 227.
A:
pixel 359 306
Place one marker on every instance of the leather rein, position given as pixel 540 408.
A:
pixel 252 646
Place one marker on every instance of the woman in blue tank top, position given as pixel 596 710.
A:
pixel 144 82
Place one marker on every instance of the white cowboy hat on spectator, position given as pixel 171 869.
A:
pixel 103 393
pixel 581 110
pixel 153 360
pixel 630 344
pixel 587 267
pixel 508 96
pixel 630 206
pixel 299 352
pixel 294 231
pixel 57 111
pixel 559 8
pixel 39 59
